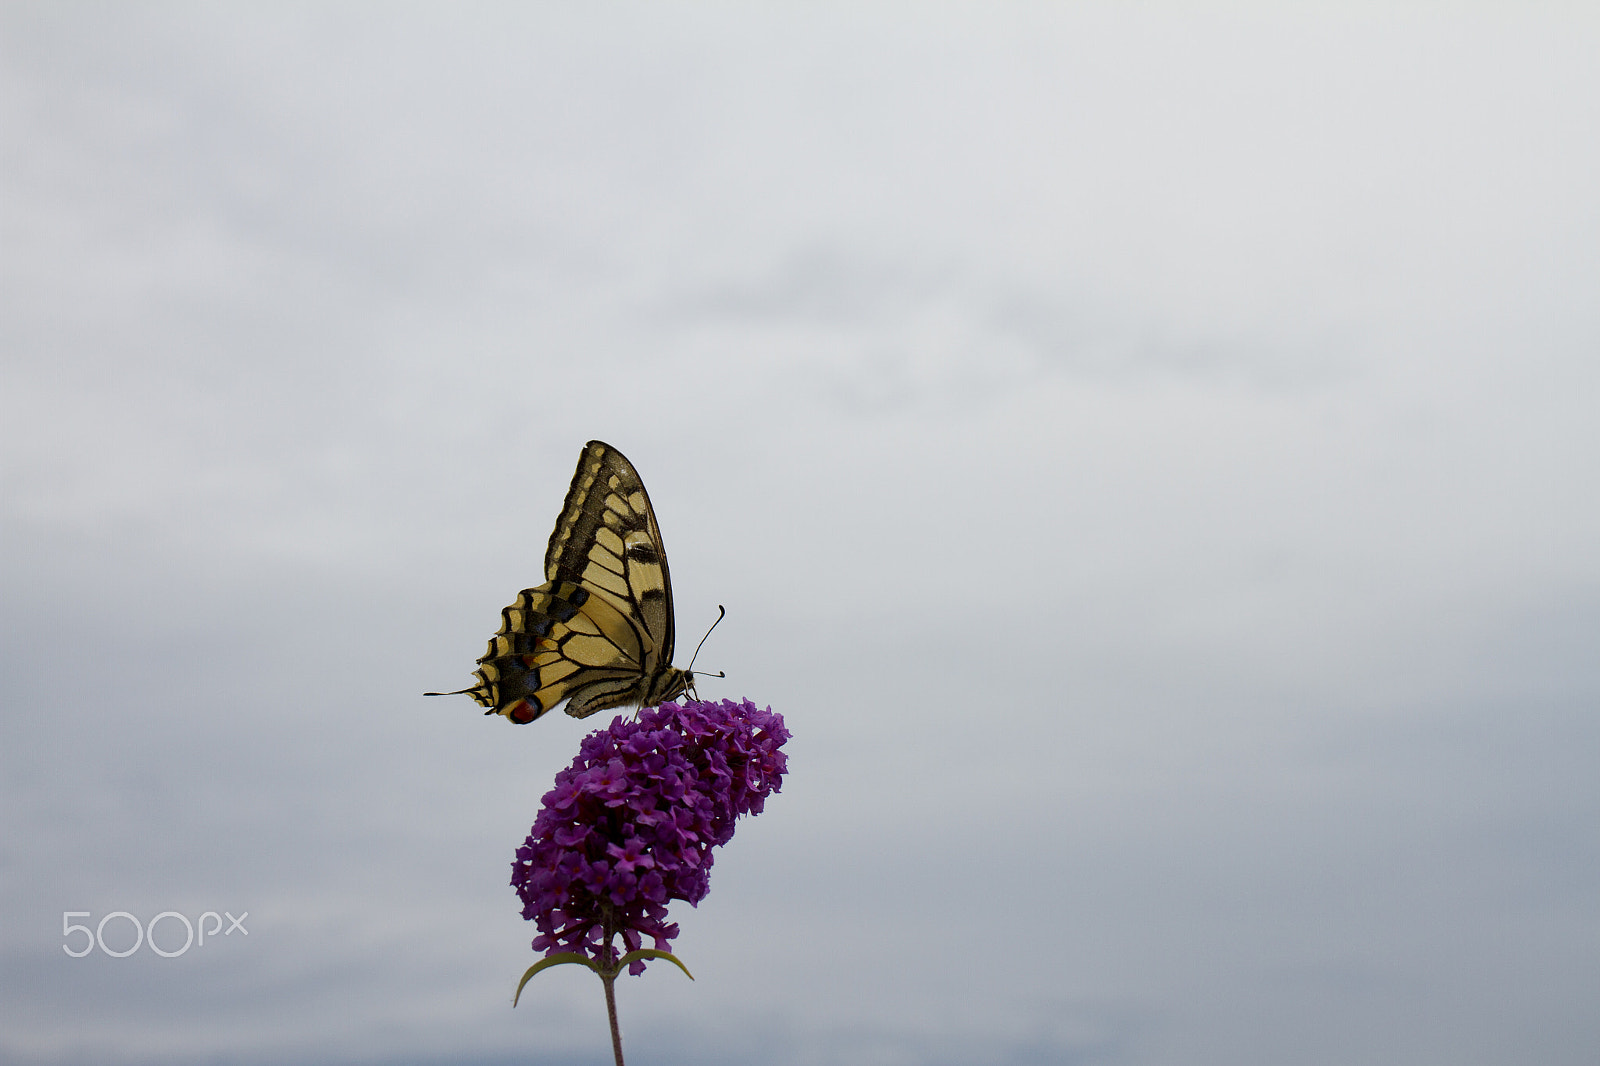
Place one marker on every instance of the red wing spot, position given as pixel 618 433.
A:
pixel 521 712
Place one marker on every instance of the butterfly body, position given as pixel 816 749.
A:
pixel 599 632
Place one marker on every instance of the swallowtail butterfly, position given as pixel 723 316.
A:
pixel 598 632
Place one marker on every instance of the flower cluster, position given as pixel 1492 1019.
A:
pixel 631 823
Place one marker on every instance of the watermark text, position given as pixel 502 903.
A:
pixel 194 933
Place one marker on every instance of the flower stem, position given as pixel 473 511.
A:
pixel 608 971
pixel 610 981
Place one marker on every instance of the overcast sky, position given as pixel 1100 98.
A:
pixel 1147 453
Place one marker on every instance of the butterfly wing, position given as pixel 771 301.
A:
pixel 607 540
pixel 599 632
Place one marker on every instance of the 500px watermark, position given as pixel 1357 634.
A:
pixel 96 937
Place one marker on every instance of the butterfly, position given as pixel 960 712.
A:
pixel 598 632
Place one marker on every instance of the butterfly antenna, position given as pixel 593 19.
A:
pixel 721 613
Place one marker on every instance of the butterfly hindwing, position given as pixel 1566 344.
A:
pixel 599 632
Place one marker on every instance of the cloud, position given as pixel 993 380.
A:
pixel 1140 452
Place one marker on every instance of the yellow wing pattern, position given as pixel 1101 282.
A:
pixel 598 632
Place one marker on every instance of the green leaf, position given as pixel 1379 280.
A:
pixel 652 953
pixel 557 960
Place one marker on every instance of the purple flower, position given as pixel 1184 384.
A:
pixel 631 823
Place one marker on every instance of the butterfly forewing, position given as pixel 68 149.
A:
pixel 607 540
pixel 598 633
